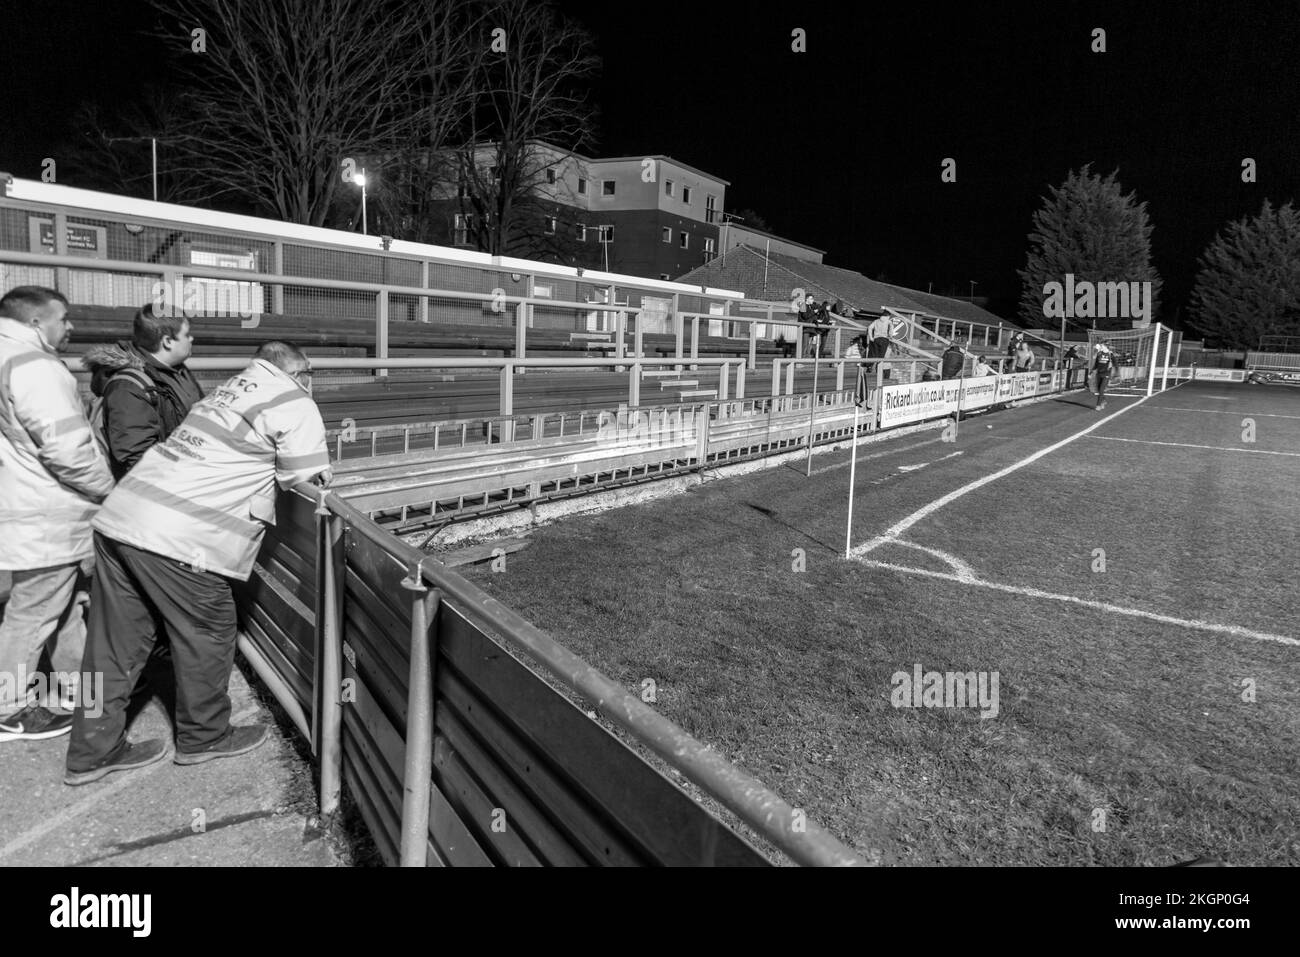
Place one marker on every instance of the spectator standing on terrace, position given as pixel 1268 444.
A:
pixel 1103 364
pixel 1071 357
pixel 1014 345
pixel 144 385
pixel 953 360
pixel 1024 357
pixel 857 350
pixel 52 477
pixel 878 339
pixel 186 520
pixel 982 367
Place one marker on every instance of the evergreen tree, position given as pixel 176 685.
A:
pixel 1087 227
pixel 1248 284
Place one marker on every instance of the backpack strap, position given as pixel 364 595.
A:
pixel 139 378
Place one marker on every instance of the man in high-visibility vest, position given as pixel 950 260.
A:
pixel 187 519
pixel 52 477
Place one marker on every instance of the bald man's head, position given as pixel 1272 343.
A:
pixel 285 356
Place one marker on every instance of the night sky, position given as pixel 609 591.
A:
pixel 840 147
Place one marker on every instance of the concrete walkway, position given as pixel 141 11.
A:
pixel 253 810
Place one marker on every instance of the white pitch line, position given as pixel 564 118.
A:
pixel 1256 415
pixel 1235 630
pixel 1185 445
pixel 896 530
pixel 97 796
pixel 874 455
pixel 963 571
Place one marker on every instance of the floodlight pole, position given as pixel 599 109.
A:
pixel 365 230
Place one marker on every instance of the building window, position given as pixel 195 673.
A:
pixel 606 234
pixel 606 187
pixel 686 194
pixel 684 240
pixel 668 187
pixel 550 225
pixel 709 211
pixel 667 234
pixel 582 232
pixel 460 230
pixel 708 246
pixel 582 186
pixel 663 276
pixel 550 174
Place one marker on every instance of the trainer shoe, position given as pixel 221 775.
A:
pixel 238 741
pixel 34 723
pixel 133 756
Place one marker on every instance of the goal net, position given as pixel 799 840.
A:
pixel 1145 359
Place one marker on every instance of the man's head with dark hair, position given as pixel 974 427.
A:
pixel 166 338
pixel 45 309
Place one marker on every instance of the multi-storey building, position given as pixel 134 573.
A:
pixel 650 216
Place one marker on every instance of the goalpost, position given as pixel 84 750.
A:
pixel 1142 358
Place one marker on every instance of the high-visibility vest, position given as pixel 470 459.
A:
pixel 52 474
pixel 205 496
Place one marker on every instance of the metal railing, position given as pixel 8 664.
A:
pixel 431 620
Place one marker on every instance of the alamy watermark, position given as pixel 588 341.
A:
pixel 217 298
pixel 1084 299
pixel 82 689
pixel 946 689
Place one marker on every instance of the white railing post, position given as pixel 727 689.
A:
pixel 381 328
pixel 424 284
pixel 507 407
pixel 677 327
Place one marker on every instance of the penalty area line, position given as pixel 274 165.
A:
pixel 1196 624
pixel 1187 445
pixel 896 530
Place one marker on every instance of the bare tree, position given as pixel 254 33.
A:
pixel 410 181
pixel 115 154
pixel 284 89
pixel 531 88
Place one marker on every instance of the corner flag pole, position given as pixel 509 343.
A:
pixel 812 407
pixel 853 467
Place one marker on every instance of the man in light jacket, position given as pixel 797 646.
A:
pixel 187 519
pixel 52 477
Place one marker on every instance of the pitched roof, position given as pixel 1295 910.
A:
pixel 774 277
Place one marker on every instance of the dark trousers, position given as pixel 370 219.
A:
pixel 877 349
pixel 1102 380
pixel 134 592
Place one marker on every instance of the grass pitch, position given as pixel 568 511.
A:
pixel 1133 589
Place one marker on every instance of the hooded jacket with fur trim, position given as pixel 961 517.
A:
pixel 136 418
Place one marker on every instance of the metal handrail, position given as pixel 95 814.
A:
pixel 768 814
